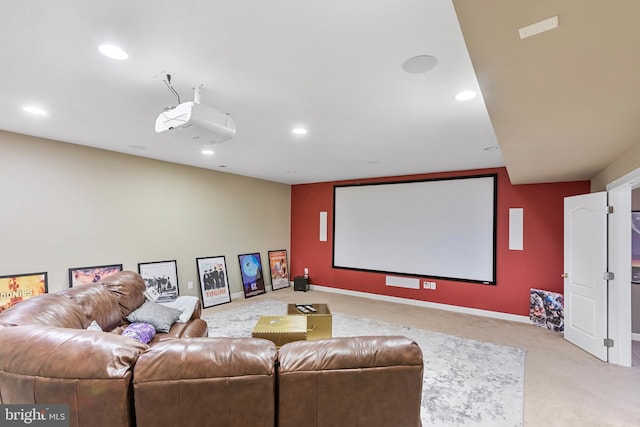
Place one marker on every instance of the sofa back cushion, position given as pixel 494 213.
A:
pixel 89 371
pixel 226 382
pixel 47 309
pixel 128 288
pixel 355 381
pixel 97 303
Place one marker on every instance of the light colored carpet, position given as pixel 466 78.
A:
pixel 466 382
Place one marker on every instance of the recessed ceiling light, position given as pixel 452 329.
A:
pixel 420 64
pixel 492 148
pixel 299 131
pixel 113 52
pixel 466 95
pixel 138 147
pixel 35 110
pixel 207 152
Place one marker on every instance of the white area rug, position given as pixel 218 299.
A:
pixel 466 382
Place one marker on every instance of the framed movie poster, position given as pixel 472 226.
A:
pixel 84 275
pixel 546 309
pixel 635 247
pixel 279 269
pixel 161 278
pixel 251 271
pixel 214 282
pixel 19 287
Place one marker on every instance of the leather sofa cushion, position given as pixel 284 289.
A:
pixel 98 304
pixel 128 287
pixel 206 381
pixel 43 351
pixel 47 309
pixel 90 371
pixel 355 381
pixel 196 328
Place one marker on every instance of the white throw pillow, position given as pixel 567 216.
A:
pixel 94 327
pixel 186 304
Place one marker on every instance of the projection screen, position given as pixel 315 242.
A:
pixel 440 228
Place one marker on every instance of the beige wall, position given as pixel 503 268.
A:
pixel 65 205
pixel 623 165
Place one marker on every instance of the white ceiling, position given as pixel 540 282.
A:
pixel 564 104
pixel 332 66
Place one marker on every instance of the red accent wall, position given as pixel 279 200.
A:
pixel 539 265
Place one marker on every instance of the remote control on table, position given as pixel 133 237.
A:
pixel 302 308
pixel 310 308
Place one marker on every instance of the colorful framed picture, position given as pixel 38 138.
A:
pixel 19 287
pixel 546 309
pixel 83 275
pixel 214 281
pixel 279 269
pixel 161 278
pixel 252 277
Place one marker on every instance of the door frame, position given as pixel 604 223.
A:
pixel 619 260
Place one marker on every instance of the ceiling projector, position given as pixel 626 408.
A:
pixel 196 122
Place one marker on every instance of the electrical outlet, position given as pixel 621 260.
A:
pixel 190 285
pixel 433 285
pixel 426 285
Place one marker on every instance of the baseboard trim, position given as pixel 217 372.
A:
pixel 457 309
pixel 237 295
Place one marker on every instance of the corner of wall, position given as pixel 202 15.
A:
pixel 627 162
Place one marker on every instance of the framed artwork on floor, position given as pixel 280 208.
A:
pixel 214 281
pixel 252 277
pixel 83 275
pixel 15 288
pixel 279 269
pixel 546 309
pixel 161 278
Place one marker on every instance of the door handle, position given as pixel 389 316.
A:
pixel 564 275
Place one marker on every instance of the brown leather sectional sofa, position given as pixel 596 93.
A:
pixel 184 378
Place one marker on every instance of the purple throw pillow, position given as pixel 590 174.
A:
pixel 143 332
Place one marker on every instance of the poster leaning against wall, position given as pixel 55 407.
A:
pixel 279 269
pixel 83 275
pixel 15 288
pixel 251 271
pixel 214 281
pixel 161 279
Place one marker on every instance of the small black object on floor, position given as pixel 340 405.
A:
pixel 301 283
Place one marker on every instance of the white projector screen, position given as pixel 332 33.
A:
pixel 442 228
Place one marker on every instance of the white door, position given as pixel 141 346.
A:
pixel 585 263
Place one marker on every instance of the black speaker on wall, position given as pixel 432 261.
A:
pixel 301 283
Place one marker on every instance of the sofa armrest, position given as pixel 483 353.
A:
pixel 197 311
pixel 90 371
pixel 206 381
pixel 372 381
pixel 195 328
